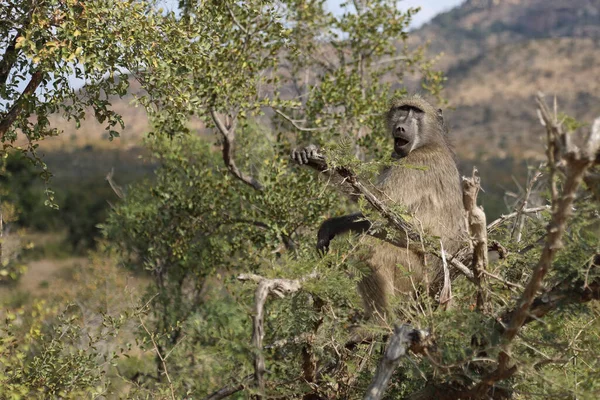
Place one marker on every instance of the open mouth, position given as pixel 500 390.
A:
pixel 400 142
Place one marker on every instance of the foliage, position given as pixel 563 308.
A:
pixel 53 348
pixel 49 45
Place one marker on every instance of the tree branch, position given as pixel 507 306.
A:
pixel 228 134
pixel 9 118
pixel 518 226
pixel 497 222
pixel 8 59
pixel 279 287
pixel 478 233
pixel 564 293
pixel 295 123
pixel 405 338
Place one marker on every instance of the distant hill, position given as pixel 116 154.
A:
pixel 499 53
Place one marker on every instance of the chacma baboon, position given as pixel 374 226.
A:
pixel 424 181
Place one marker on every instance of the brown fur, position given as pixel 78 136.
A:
pixel 430 193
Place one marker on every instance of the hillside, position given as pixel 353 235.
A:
pixel 493 94
pixel 477 26
pixel 498 54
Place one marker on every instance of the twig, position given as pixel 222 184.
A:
pixel 446 292
pixel 497 222
pixel 235 20
pixel 116 188
pixel 518 226
pixel 295 123
pixel 158 353
pixel 500 279
pixel 478 234
pixel 279 287
pixel 403 339
pixel 228 134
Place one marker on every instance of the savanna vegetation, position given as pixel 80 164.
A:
pixel 200 277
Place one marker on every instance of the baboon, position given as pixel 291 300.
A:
pixel 426 182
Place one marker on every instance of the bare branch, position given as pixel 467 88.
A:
pixel 577 165
pixel 493 225
pixel 518 226
pixel 405 338
pixel 446 292
pixel 500 279
pixel 592 143
pixel 228 134
pixel 279 287
pixel 235 20
pixel 295 123
pixel 116 188
pixel 568 291
pixel 478 233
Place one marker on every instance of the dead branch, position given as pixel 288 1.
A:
pixel 565 293
pixel 518 226
pixel 577 161
pixel 504 281
pixel 577 164
pixel 592 148
pixel 405 338
pixel 228 133
pixel 446 292
pixel 279 287
pixel 478 233
pixel 116 188
pixel 497 222
pixel 569 291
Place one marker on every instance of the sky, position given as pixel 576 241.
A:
pixel 429 8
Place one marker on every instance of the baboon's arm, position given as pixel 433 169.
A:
pixel 339 225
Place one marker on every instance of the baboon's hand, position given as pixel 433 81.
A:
pixel 304 155
pixel 324 237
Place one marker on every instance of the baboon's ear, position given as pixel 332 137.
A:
pixel 440 113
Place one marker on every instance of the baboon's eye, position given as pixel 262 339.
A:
pixel 404 110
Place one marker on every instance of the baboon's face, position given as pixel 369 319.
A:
pixel 405 123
